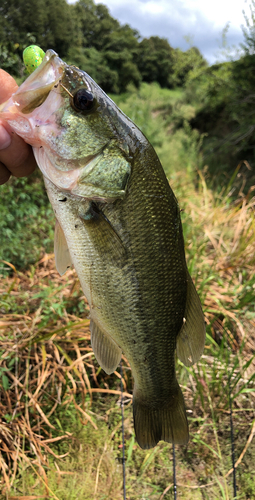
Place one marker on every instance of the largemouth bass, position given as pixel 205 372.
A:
pixel 118 223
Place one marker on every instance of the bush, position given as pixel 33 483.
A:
pixel 26 221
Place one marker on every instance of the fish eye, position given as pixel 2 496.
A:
pixel 83 100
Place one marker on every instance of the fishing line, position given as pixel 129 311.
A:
pixel 174 473
pixel 123 437
pixel 232 440
pixel 231 426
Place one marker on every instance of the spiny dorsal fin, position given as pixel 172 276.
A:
pixel 191 337
pixel 62 255
pixel 107 353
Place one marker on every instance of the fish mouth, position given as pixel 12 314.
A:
pixel 36 88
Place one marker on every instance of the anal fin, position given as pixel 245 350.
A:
pixel 107 352
pixel 191 337
pixel 62 255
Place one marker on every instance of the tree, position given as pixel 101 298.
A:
pixel 249 31
pixel 117 45
pixel 87 35
pixel 93 62
pixel 155 60
pixel 94 24
pixel 186 62
pixel 46 23
pixel 120 53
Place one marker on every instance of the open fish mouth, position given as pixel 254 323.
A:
pixel 35 90
pixel 68 148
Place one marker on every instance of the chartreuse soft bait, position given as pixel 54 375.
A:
pixel 32 57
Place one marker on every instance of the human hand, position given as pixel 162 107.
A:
pixel 16 157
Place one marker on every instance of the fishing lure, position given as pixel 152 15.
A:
pixel 32 57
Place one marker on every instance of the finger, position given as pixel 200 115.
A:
pixel 15 154
pixel 7 85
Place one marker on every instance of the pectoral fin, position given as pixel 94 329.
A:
pixel 107 353
pixel 191 338
pixel 102 233
pixel 62 255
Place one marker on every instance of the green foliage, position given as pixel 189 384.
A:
pixel 49 23
pixel 223 97
pixel 26 221
pixel 162 115
pixel 155 60
pixel 10 55
pixel 114 47
pixel 10 60
pixel 94 24
pixel 185 64
pixel 248 45
pixel 87 35
pixel 93 62
pixel 119 52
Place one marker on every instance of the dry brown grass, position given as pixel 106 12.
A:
pixel 220 246
pixel 51 365
pixel 48 363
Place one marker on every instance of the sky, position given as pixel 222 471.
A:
pixel 185 22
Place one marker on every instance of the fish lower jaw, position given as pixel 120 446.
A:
pixel 60 179
pixel 69 180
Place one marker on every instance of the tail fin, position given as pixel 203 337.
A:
pixel 167 422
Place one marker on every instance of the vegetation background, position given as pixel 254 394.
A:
pixel 60 419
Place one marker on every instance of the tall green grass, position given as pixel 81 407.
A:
pixel 163 115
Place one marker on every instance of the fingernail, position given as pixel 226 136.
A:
pixel 5 138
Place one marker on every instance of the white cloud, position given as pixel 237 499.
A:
pixel 154 8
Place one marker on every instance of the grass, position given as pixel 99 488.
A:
pixel 163 116
pixel 26 221
pixel 60 426
pixel 52 339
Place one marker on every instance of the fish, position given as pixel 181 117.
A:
pixel 118 223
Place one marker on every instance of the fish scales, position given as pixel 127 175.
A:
pixel 156 262
pixel 119 223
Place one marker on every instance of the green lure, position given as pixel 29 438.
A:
pixel 32 57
